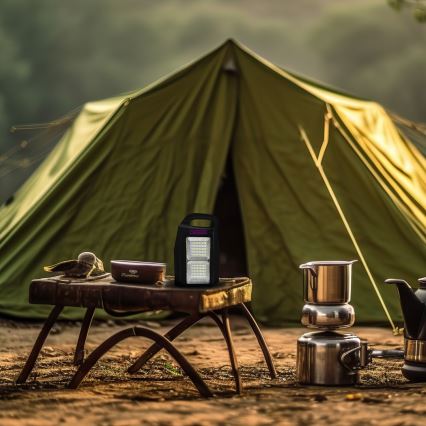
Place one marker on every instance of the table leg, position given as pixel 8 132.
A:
pixel 152 335
pixel 32 358
pixel 261 340
pixel 171 335
pixel 79 349
pixel 232 355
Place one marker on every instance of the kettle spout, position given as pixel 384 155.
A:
pixel 412 307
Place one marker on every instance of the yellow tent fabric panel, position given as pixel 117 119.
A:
pixel 396 163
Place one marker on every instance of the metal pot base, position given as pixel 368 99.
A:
pixel 318 359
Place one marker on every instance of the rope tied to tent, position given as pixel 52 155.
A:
pixel 317 161
pixel 420 127
pixel 36 146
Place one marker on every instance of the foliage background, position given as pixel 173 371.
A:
pixel 55 55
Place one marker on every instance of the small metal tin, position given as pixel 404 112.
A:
pixel 132 271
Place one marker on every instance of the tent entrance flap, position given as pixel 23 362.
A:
pixel 233 261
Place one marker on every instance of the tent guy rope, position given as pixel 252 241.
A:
pixel 318 164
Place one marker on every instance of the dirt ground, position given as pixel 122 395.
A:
pixel 161 395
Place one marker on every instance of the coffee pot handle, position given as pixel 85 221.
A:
pixel 363 360
pixel 366 355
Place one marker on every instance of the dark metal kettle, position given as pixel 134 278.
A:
pixel 413 304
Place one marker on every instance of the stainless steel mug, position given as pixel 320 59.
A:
pixel 327 282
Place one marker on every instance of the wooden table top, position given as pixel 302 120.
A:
pixel 106 293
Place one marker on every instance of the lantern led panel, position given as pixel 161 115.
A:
pixel 197 248
pixel 198 272
pixel 197 252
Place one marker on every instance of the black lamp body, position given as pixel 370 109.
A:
pixel 197 252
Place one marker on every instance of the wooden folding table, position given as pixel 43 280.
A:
pixel 119 299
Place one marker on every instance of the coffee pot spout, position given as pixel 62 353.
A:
pixel 309 266
pixel 412 307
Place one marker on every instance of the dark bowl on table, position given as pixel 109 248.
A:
pixel 133 271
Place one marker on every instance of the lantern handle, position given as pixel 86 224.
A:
pixel 203 216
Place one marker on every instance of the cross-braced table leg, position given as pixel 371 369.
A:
pixel 150 334
pixel 261 340
pixel 172 334
pixel 79 349
pixel 191 320
pixel 32 358
pixel 176 331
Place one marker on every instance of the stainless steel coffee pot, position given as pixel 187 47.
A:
pixel 327 357
pixel 327 282
pixel 327 292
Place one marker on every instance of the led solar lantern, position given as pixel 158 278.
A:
pixel 197 252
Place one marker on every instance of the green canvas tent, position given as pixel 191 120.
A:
pixel 305 173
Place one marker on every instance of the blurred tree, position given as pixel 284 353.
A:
pixel 13 73
pixel 74 51
pixel 56 56
pixel 418 7
pixel 380 56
